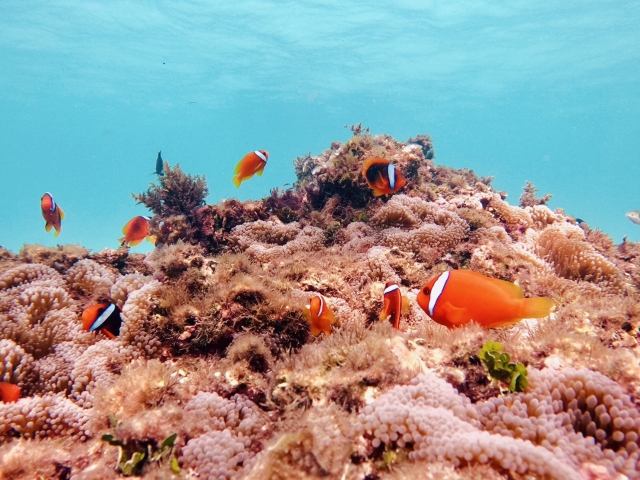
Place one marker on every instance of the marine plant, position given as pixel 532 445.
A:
pixel 132 458
pixel 501 368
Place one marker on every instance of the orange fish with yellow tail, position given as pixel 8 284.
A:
pixel 102 317
pixel 394 304
pixel 136 230
pixel 382 176
pixel 252 163
pixel 9 392
pixel 457 297
pixel 319 315
pixel 52 214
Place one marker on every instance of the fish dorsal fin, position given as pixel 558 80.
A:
pixel 61 212
pixel 511 289
pixel 126 227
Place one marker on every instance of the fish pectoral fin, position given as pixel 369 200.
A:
pixel 259 172
pixel 406 305
pixel 456 316
pixel 511 289
pixel 151 239
pixel 384 317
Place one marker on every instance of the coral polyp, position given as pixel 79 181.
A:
pixel 214 372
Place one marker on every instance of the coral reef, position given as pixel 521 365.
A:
pixel 215 353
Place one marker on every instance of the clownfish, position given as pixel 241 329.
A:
pixel 9 392
pixel 159 165
pixel 135 231
pixel 457 297
pixel 394 304
pixel 251 164
pixel 319 315
pixel 103 317
pixel 382 176
pixel 52 213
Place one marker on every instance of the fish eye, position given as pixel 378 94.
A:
pixel 426 290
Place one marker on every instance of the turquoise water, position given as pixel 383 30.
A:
pixel 90 91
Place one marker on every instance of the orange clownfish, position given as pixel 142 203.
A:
pixel 457 297
pixel 394 304
pixel 251 164
pixel 103 317
pixel 382 176
pixel 319 315
pixel 135 231
pixel 9 392
pixel 52 213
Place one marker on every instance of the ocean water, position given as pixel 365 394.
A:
pixel 90 91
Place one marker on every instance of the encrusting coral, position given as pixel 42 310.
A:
pixel 215 354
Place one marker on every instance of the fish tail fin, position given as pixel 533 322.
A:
pixel 237 181
pixel 151 239
pixel 539 307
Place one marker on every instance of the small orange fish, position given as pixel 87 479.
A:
pixel 319 315
pixel 382 176
pixel 52 213
pixel 103 317
pixel 251 164
pixel 9 392
pixel 135 231
pixel 394 304
pixel 457 297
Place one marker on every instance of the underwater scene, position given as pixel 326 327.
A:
pixel 299 240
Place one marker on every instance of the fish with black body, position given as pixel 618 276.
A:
pixel 382 176
pixel 102 317
pixel 159 165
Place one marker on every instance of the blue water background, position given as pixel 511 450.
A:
pixel 545 91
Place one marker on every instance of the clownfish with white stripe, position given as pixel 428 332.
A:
pixel 457 297
pixel 135 231
pixel 319 315
pixel 52 214
pixel 104 318
pixel 394 304
pixel 252 163
pixel 382 176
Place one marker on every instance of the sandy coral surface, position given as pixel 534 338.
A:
pixel 215 374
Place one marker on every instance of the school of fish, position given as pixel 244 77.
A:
pixel 452 298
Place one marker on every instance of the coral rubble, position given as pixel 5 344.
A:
pixel 215 374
